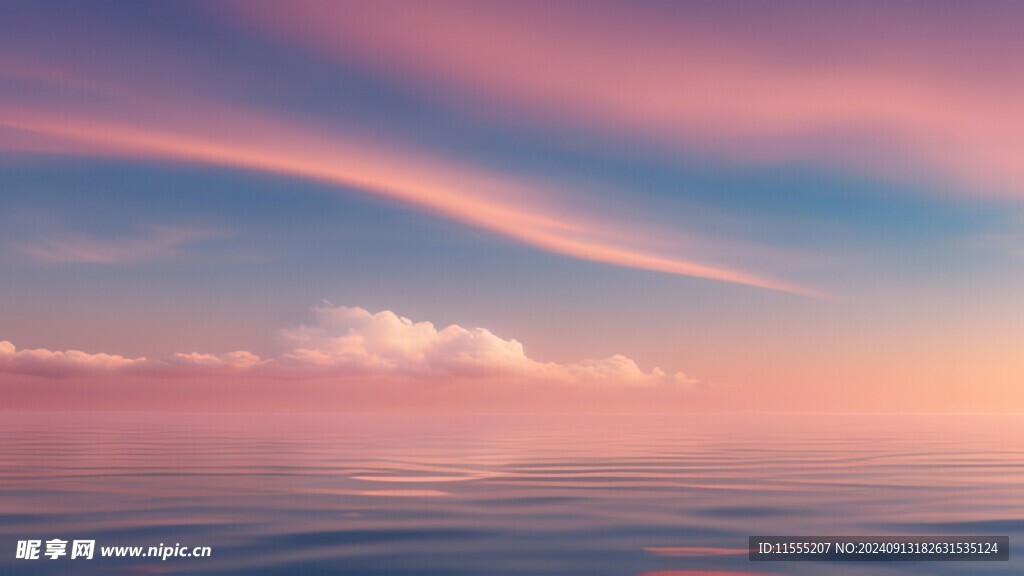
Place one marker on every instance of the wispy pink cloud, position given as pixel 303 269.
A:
pixel 151 242
pixel 187 129
pixel 881 88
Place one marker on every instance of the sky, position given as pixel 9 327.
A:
pixel 512 206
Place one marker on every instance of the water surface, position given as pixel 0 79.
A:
pixel 500 495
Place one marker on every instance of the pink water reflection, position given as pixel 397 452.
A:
pixel 610 495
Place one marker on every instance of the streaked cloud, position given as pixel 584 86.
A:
pixel 351 343
pixel 513 207
pixel 894 90
pixel 140 117
pixel 148 243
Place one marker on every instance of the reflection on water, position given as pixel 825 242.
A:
pixel 595 495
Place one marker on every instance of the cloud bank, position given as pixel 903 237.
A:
pixel 352 344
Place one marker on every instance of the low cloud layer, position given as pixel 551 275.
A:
pixel 61 363
pixel 350 344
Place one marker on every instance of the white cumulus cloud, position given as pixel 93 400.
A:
pixel 350 342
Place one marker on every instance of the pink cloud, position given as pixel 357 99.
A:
pixel 188 129
pixel 45 363
pixel 240 359
pixel 353 340
pixel 154 241
pixel 353 344
pixel 66 363
pixel 880 88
